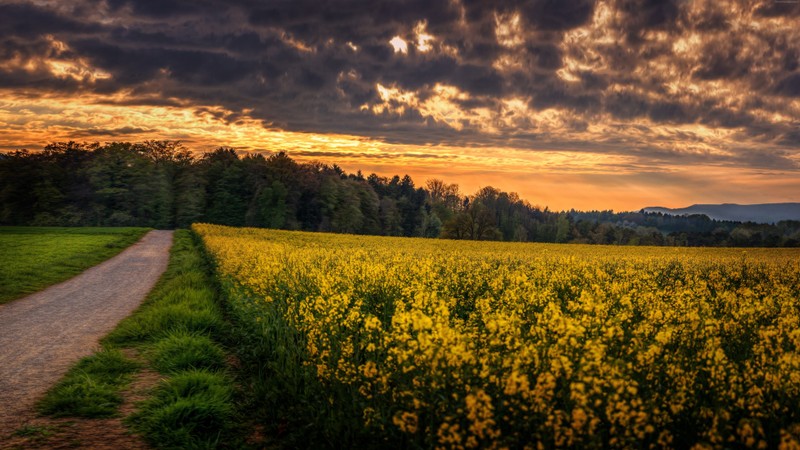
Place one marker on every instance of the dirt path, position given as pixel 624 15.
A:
pixel 43 334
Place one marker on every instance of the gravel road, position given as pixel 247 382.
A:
pixel 43 334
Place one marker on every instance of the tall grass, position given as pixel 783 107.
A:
pixel 91 388
pixel 191 409
pixel 181 350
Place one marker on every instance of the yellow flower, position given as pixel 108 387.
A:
pixel 406 421
pixel 549 343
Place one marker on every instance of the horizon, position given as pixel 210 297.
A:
pixel 587 105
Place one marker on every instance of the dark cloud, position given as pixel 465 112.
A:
pixel 777 8
pixel 479 80
pixel 710 18
pixel 164 9
pixel 366 155
pixel 722 59
pixel 558 14
pixel 626 105
pixel 141 64
pixel 28 21
pixel 641 16
pixel 121 131
pixel 671 112
pixel 307 65
pixel 791 138
pixel 13 47
pixel 789 85
pixel 765 160
pixel 545 55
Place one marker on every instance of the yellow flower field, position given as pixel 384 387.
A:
pixel 419 343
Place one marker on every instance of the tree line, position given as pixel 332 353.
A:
pixel 162 184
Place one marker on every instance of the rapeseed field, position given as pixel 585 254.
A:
pixel 421 343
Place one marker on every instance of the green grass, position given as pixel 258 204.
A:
pixel 182 350
pixel 157 321
pixel 192 409
pixel 177 330
pixel 32 258
pixel 35 432
pixel 90 388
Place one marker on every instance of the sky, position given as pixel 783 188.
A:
pixel 616 104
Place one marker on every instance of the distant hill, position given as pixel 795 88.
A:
pixel 763 213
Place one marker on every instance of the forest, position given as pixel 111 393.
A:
pixel 162 184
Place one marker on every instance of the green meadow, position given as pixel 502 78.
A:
pixel 32 258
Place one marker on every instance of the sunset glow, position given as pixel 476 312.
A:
pixel 575 104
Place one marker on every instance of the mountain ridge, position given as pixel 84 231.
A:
pixel 758 213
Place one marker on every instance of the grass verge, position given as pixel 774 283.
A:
pixel 175 332
pixel 182 350
pixel 91 388
pixel 32 258
pixel 191 409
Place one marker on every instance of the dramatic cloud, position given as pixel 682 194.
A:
pixel 660 85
